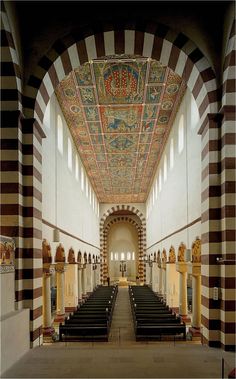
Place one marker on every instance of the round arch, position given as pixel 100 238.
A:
pixel 173 49
pixel 140 224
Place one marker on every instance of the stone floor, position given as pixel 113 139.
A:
pixel 122 356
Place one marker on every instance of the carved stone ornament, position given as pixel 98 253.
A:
pixel 46 251
pixel 196 251
pixel 60 254
pixel 6 269
pixel 60 267
pixel 164 256
pixel 181 251
pixel 172 256
pixel 48 269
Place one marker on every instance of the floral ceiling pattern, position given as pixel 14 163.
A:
pixel 120 110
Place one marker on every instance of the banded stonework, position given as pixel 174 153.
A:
pixel 137 219
pixel 21 137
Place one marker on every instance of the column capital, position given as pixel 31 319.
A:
pixel 48 269
pixel 60 267
pixel 194 268
pixel 181 267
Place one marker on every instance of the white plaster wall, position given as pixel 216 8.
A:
pixel 14 340
pixel 7 292
pixel 71 211
pixel 179 201
pixel 15 337
pixel 122 237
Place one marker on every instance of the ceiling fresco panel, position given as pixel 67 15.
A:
pixel 119 110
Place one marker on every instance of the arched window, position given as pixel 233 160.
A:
pixel 133 256
pixel 69 154
pixel 76 168
pixel 116 257
pixel 160 180
pixel 165 168
pixel 171 153
pixel 181 133
pixel 111 256
pixel 59 134
pixel 128 256
pixel 82 178
pixel 122 256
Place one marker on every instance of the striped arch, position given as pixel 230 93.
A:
pixel 229 74
pixel 141 225
pixel 11 85
pixel 227 185
pixel 135 221
pixel 158 42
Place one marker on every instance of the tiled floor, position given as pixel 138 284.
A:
pixel 122 357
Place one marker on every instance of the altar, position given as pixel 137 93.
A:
pixel 123 282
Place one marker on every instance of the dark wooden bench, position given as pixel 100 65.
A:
pixel 81 333
pixel 152 332
pixel 145 321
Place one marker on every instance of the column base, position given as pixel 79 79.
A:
pixel 48 331
pixel 175 309
pixel 186 319
pixel 70 309
pixel 195 332
pixel 59 318
pixel 48 334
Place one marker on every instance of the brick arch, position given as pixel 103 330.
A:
pixel 140 223
pixel 172 49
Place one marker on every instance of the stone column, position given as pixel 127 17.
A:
pixel 163 267
pixel 48 330
pixel 172 286
pixel 196 295
pixel 84 281
pixel 90 277
pixel 98 281
pixel 94 276
pixel 154 277
pixel 181 267
pixel 60 312
pixel 160 280
pixel 79 282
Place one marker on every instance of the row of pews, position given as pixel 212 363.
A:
pixel 152 317
pixel 92 319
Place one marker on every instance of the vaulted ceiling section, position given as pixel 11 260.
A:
pixel 119 110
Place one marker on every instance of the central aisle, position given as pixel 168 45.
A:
pixel 122 329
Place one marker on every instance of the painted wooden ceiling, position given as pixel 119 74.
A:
pixel 119 110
